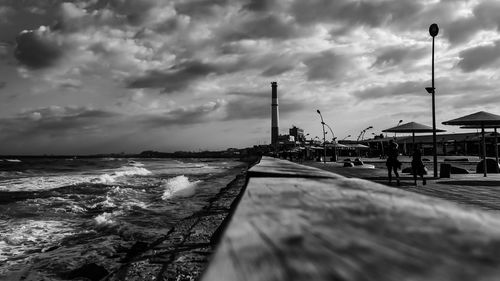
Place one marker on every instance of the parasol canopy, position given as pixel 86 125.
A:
pixel 481 119
pixel 412 127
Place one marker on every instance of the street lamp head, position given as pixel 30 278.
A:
pixel 371 127
pixel 429 90
pixel 401 121
pixel 319 112
pixel 433 30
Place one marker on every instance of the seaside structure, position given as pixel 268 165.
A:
pixel 298 133
pixel 274 115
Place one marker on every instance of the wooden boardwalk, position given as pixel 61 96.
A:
pixel 327 227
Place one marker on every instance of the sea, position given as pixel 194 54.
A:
pixel 57 214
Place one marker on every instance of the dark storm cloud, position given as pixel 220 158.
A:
pixel 177 78
pixel 182 116
pixel 371 13
pixel 444 87
pixel 35 51
pixel 488 12
pixel 55 121
pixel 479 57
pixel 391 90
pixel 270 26
pixel 260 5
pixel 461 30
pixel 277 69
pixel 200 8
pixel 257 105
pixel 326 65
pixel 397 55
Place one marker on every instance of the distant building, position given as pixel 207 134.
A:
pixel 298 134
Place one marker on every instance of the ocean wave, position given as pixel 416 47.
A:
pixel 39 183
pixel 122 172
pixel 179 186
pixel 20 238
pixel 12 160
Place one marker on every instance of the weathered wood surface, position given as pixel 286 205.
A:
pixel 272 167
pixel 351 229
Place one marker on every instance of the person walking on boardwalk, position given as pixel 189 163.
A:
pixel 417 166
pixel 392 162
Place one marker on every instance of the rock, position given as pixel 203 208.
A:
pixel 408 170
pixel 358 162
pixel 90 271
pixel 138 248
pixel 491 165
pixel 348 164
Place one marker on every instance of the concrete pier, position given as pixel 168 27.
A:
pixel 301 223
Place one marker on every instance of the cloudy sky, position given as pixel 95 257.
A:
pixel 130 75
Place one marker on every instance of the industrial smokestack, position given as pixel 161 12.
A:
pixel 274 114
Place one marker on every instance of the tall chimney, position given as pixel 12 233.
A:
pixel 274 114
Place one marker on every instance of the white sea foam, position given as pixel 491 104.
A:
pixel 179 186
pixel 18 238
pixel 106 219
pixel 122 172
pixel 40 183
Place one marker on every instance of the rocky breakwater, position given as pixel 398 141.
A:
pixel 182 254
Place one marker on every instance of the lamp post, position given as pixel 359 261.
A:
pixel 433 31
pixel 333 136
pixel 364 131
pixel 334 149
pixel 400 121
pixel 324 143
pixel 348 136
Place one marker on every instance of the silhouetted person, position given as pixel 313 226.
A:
pixel 392 162
pixel 417 166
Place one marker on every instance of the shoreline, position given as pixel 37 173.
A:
pixel 184 252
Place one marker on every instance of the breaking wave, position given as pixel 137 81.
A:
pixel 124 171
pixel 179 186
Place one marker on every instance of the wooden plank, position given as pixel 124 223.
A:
pixel 350 229
pixel 274 167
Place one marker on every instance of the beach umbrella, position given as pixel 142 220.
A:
pixel 481 119
pixel 358 147
pixel 412 127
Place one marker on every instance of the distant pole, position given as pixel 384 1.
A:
pixel 496 149
pixel 334 149
pixel 400 121
pixel 485 167
pixel 433 31
pixel 324 140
